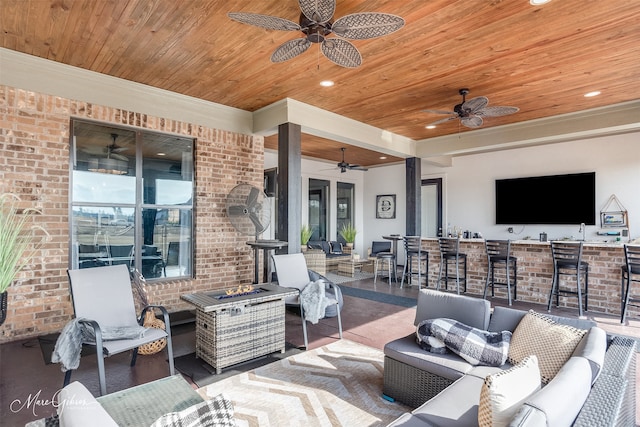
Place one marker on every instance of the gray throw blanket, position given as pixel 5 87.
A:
pixel 69 344
pixel 313 301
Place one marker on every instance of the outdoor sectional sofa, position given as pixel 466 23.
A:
pixel 594 387
pixel 323 256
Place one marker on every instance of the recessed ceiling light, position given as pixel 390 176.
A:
pixel 590 94
pixel 430 127
pixel 161 154
pixel 383 157
pixel 538 2
pixel 326 83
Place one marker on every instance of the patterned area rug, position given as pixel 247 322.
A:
pixel 336 385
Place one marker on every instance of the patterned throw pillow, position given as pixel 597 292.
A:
pixel 217 412
pixel 474 345
pixel 551 342
pixel 427 341
pixel 504 392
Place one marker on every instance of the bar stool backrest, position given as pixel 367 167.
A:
pixel 632 258
pixel 566 253
pixel 449 245
pixel 498 249
pixel 412 244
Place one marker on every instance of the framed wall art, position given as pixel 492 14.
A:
pixel 386 206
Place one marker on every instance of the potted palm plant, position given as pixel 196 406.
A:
pixel 17 236
pixel 305 234
pixel 348 233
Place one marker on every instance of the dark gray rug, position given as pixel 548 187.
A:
pixel 204 374
pixel 378 296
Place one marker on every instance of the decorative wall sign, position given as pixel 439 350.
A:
pixel 386 206
pixel 614 218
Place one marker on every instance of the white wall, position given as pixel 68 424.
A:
pixel 324 170
pixel 469 186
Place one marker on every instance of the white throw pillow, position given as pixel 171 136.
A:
pixel 504 392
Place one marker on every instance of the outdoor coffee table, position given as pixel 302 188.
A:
pixel 234 329
pixel 349 267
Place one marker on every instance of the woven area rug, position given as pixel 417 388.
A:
pixel 336 385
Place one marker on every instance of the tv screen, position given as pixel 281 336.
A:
pixel 553 199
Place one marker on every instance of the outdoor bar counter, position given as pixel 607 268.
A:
pixel 535 272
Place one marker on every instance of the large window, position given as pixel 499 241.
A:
pixel 131 200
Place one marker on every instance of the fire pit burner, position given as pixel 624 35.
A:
pixel 238 294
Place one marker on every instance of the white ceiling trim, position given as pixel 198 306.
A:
pixel 44 76
pixel 610 120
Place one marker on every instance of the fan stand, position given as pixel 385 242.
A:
pixel 267 246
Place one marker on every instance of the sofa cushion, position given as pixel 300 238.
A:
pixel 406 350
pixel 456 405
pixel 78 408
pixel 476 346
pixel 336 248
pixel 551 342
pixel 474 312
pixel 570 387
pixel 507 319
pixel 504 392
pixel 593 347
pixel 217 412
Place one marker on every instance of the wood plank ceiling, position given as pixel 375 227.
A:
pixel 541 59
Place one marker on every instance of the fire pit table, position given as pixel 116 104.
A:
pixel 235 328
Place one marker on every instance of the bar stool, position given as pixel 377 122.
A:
pixel 391 261
pixel 630 273
pixel 499 253
pixel 567 261
pixel 414 254
pixel 450 252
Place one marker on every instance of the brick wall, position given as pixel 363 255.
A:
pixel 535 272
pixel 34 164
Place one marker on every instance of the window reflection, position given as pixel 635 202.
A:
pixel 118 217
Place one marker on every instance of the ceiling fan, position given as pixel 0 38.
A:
pixel 316 23
pixel 109 151
pixel 344 166
pixel 472 111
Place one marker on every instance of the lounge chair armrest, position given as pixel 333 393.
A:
pixel 165 315
pixel 96 331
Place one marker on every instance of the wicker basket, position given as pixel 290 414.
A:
pixel 150 321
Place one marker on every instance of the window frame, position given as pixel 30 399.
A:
pixel 139 205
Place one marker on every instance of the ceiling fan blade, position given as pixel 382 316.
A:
pixel 366 25
pixel 475 104
pixel 341 52
pixel 496 111
pixel 440 112
pixel 264 21
pixel 472 121
pixel 118 156
pixel 358 168
pixel 319 11
pixel 290 50
pixel 448 119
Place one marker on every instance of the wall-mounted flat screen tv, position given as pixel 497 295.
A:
pixel 553 199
